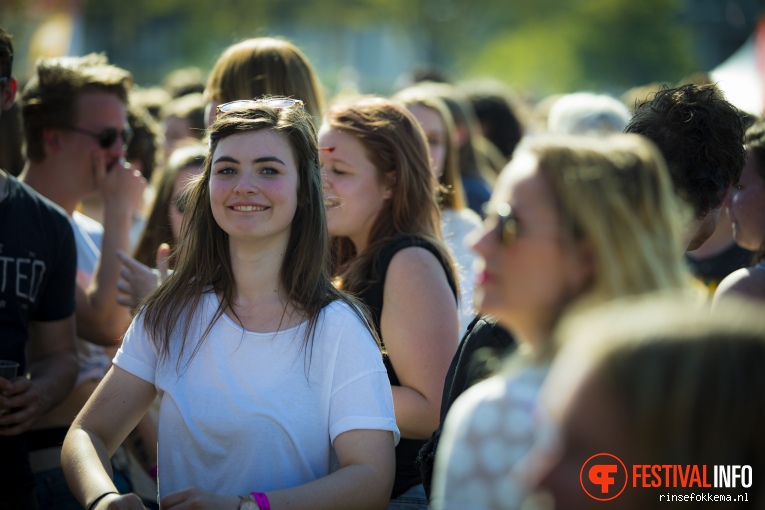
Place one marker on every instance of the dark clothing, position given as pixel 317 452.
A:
pixel 38 264
pixel 477 193
pixel 407 474
pixel 482 335
pixel 712 270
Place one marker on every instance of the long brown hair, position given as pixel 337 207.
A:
pixel 395 143
pixel 158 229
pixel 452 193
pixel 265 66
pixel 205 261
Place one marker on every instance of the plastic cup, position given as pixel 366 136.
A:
pixel 8 369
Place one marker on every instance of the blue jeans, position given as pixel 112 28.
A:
pixel 412 499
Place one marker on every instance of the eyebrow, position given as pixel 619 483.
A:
pixel 264 159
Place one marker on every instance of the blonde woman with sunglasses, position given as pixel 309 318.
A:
pixel 274 394
pixel 573 222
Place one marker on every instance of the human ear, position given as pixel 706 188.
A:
pixel 52 140
pixel 388 184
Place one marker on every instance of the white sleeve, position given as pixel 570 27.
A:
pixel 138 355
pixel 487 431
pixel 361 397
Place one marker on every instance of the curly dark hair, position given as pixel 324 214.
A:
pixel 701 135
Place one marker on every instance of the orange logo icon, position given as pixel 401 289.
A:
pixel 603 477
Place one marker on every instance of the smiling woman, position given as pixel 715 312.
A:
pixel 385 223
pixel 250 301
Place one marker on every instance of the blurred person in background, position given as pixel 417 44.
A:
pixel 475 171
pixel 653 381
pixel 498 115
pixel 746 209
pixel 150 98
pixel 384 220
pixel 457 220
pixel 157 249
pixel 37 325
pixel 575 222
pixel 585 113
pixel 255 353
pixel 144 153
pixel 183 118
pixel 701 136
pixel 264 66
pixel 76 132
pixel 183 81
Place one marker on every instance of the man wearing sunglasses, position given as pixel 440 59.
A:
pixel 75 128
pixel 37 280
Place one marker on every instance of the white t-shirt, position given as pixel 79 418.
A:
pixel 88 234
pixel 456 225
pixel 487 433
pixel 248 413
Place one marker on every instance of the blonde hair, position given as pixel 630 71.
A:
pixel 452 192
pixel 689 383
pixel 265 66
pixel 615 194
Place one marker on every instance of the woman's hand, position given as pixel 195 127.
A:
pixel 198 499
pixel 137 280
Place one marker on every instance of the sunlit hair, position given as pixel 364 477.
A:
pixel 755 144
pixel 615 195
pixel 395 144
pixel 585 113
pixel 688 384
pixel 50 98
pixel 471 162
pixel 205 261
pixel 452 192
pixel 700 135
pixel 158 228
pixel 265 66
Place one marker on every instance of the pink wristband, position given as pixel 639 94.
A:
pixel 261 500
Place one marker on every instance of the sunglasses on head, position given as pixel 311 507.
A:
pixel 506 224
pixel 271 103
pixel 107 137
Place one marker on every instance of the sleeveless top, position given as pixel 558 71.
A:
pixel 407 473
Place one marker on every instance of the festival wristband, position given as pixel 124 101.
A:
pixel 261 500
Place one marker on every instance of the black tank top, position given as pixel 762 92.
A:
pixel 407 474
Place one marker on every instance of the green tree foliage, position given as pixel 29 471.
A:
pixel 586 44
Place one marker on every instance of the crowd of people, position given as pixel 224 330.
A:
pixel 232 292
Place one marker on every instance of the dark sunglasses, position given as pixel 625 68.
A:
pixel 506 224
pixel 107 137
pixel 271 103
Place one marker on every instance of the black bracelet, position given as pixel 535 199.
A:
pixel 99 498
